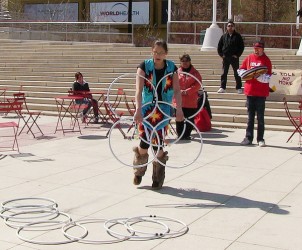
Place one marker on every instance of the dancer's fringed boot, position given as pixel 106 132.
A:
pixel 158 176
pixel 139 160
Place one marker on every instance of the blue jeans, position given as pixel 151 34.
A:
pixel 89 102
pixel 255 104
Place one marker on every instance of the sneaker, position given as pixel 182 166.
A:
pixel 137 180
pixel 245 142
pixel 221 90
pixel 261 144
pixel 239 91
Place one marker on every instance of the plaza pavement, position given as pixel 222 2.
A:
pixel 232 197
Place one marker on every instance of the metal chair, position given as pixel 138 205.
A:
pixel 31 118
pixel 114 116
pixel 113 113
pixel 2 94
pixel 296 121
pixel 6 107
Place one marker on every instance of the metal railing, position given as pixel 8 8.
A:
pixel 106 32
pixel 276 35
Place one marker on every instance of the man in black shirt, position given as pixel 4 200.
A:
pixel 230 47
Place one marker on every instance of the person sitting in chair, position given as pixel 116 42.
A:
pixel 81 85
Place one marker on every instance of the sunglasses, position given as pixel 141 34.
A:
pixel 185 61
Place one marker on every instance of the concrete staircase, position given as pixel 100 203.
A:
pixel 46 69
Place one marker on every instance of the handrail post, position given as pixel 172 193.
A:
pixel 29 32
pixel 168 31
pixel 195 33
pixel 291 36
pixel 109 33
pixel 132 33
pixel 47 33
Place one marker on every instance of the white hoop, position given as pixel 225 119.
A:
pixel 199 152
pixel 171 234
pixel 142 219
pixel 69 225
pixel 45 242
pixel 121 76
pixel 195 78
pixel 12 221
pixel 116 157
pixel 203 93
pixel 25 206
pixel 132 235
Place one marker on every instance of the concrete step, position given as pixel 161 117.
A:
pixel 46 70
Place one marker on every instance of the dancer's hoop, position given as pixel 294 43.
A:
pixel 199 152
pixel 185 73
pixel 112 151
pixel 127 75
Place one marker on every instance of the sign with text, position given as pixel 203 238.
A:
pixel 64 12
pixel 118 12
pixel 288 82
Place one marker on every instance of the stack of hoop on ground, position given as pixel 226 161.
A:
pixel 122 149
pixel 38 219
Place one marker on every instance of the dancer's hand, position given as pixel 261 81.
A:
pixel 179 115
pixel 138 117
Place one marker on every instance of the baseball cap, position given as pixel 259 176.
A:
pixel 259 44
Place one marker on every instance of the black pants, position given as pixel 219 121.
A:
pixel 227 61
pixel 255 105
pixel 189 127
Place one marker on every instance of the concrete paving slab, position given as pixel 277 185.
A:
pixel 232 197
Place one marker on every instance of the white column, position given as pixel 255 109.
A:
pixel 213 33
pixel 169 10
pixel 230 10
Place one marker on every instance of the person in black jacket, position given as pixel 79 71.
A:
pixel 230 47
pixel 81 85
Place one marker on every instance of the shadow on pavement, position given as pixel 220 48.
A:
pixel 219 200
pixel 92 137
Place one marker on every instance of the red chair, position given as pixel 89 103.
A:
pixel 76 108
pixel 6 107
pixel 296 121
pixel 114 116
pixel 2 94
pixel 32 117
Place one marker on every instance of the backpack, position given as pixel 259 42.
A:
pixel 203 121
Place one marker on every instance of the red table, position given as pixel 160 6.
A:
pixel 67 107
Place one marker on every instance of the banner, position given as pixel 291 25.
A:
pixel 64 12
pixel 118 12
pixel 288 82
